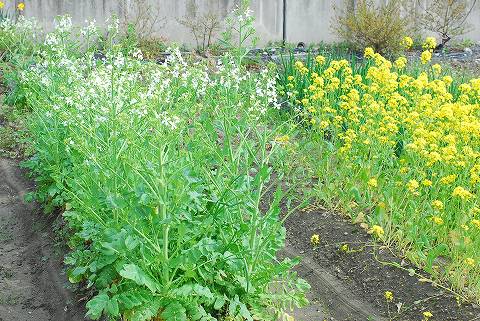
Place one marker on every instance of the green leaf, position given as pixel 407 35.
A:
pixel 146 311
pixel 131 243
pixel 184 290
pixel 133 298
pixel 76 275
pixel 96 306
pixel 220 302
pixel 134 273
pixel 245 313
pixel 356 194
pixel 29 197
pixel 196 312
pixel 203 291
pixel 174 312
pixel 440 249
pixel 112 307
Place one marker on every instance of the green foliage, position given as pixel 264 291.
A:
pixel 18 38
pixel 162 170
pixel 296 76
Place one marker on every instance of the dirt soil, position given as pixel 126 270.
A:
pixel 350 286
pixel 33 285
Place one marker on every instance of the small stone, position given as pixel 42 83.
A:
pixel 468 51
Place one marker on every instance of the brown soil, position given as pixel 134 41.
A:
pixel 33 285
pixel 351 286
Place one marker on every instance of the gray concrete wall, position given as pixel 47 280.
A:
pixel 307 20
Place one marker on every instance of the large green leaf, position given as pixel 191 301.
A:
pixel 136 274
pixel 174 312
pixel 96 306
pixel 146 312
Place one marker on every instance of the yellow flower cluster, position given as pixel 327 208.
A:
pixel 388 296
pixel 426 56
pixel 377 230
pixel 427 315
pixel 407 42
pixel 430 43
pixel 315 239
pixel 423 126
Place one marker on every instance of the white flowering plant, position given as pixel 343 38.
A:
pixel 162 171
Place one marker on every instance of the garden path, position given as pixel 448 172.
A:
pixel 33 285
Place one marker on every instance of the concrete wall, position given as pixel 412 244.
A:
pixel 307 20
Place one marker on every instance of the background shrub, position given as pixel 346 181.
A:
pixel 367 24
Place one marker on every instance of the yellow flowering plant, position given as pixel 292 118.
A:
pixel 411 126
pixel 407 42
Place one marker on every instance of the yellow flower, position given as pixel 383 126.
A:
pixel 475 211
pixel 372 182
pixel 282 139
pixel 465 88
pixel 315 239
pixel 403 170
pixel 412 185
pixel 324 124
pixel 388 296
pixel 320 59
pixel 344 248
pixel 305 101
pixel 430 43
pixel 377 230
pixel 369 52
pixel 427 182
pixel 476 223
pixel 427 315
pixel 447 180
pixel 2 5
pixel 470 261
pixel 290 78
pixel 426 56
pixel 437 69
pixel 462 193
pixel 21 6
pixel 401 62
pixel 447 80
pixel 438 205
pixel 437 220
pixel 407 42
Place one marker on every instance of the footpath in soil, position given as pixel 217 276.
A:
pixel 351 286
pixel 33 285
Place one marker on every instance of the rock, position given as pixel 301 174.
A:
pixel 468 51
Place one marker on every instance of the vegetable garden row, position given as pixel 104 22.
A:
pixel 161 169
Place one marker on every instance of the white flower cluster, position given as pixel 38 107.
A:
pixel 122 89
